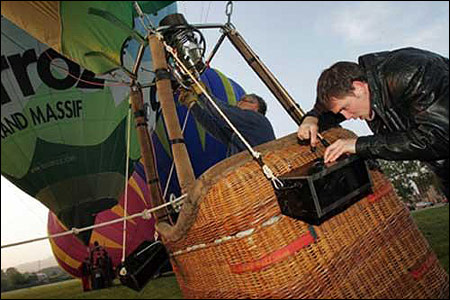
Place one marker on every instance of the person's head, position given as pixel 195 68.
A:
pixel 253 102
pixel 343 88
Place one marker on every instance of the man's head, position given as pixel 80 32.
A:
pixel 253 102
pixel 343 88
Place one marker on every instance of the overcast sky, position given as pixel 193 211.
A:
pixel 296 41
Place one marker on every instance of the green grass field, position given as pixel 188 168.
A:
pixel 433 223
pixel 161 288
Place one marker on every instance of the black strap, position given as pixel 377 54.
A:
pixel 251 60
pixel 162 74
pixel 177 141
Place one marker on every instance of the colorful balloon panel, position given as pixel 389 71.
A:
pixel 92 33
pixel 70 251
pixel 63 130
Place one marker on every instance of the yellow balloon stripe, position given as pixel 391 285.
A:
pixel 104 241
pixel 41 19
pixel 63 256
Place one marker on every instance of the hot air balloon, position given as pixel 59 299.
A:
pixel 64 128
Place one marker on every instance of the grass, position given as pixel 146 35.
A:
pixel 433 223
pixel 161 288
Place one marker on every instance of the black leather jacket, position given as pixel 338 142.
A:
pixel 410 98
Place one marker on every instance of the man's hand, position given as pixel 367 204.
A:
pixel 197 89
pixel 308 130
pixel 187 97
pixel 342 146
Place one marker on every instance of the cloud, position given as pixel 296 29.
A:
pixel 391 24
pixel 361 23
pixel 434 36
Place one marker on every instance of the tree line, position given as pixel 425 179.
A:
pixel 412 180
pixel 13 279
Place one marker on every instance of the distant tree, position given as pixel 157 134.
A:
pixel 53 271
pixel 31 278
pixel 410 178
pixel 15 278
pixel 5 283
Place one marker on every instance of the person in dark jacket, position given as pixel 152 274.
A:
pixel 85 270
pixel 402 95
pixel 248 116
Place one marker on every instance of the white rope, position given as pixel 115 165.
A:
pixel 256 155
pixel 172 168
pixel 277 183
pixel 145 214
pixel 127 165
pixel 207 12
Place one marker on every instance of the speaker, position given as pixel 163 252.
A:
pixel 317 191
pixel 148 261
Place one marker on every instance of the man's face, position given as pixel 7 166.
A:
pixel 355 105
pixel 248 103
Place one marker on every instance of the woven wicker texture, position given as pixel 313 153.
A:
pixel 242 247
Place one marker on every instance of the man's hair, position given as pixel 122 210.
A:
pixel 262 105
pixel 337 82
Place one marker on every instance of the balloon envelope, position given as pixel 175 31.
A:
pixel 64 129
pixel 70 252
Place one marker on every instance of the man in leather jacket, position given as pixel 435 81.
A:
pixel 402 95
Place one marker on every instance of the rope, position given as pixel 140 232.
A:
pixel 207 12
pixel 173 164
pixel 127 165
pixel 66 72
pixel 256 155
pixel 145 214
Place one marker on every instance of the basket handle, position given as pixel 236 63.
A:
pixel 186 218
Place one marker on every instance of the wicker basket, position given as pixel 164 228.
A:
pixel 240 245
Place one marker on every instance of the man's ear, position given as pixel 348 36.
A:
pixel 358 87
pixel 358 84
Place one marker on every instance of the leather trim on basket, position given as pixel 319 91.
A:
pixel 380 193
pixel 277 256
pixel 417 273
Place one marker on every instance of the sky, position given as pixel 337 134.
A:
pixel 296 40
